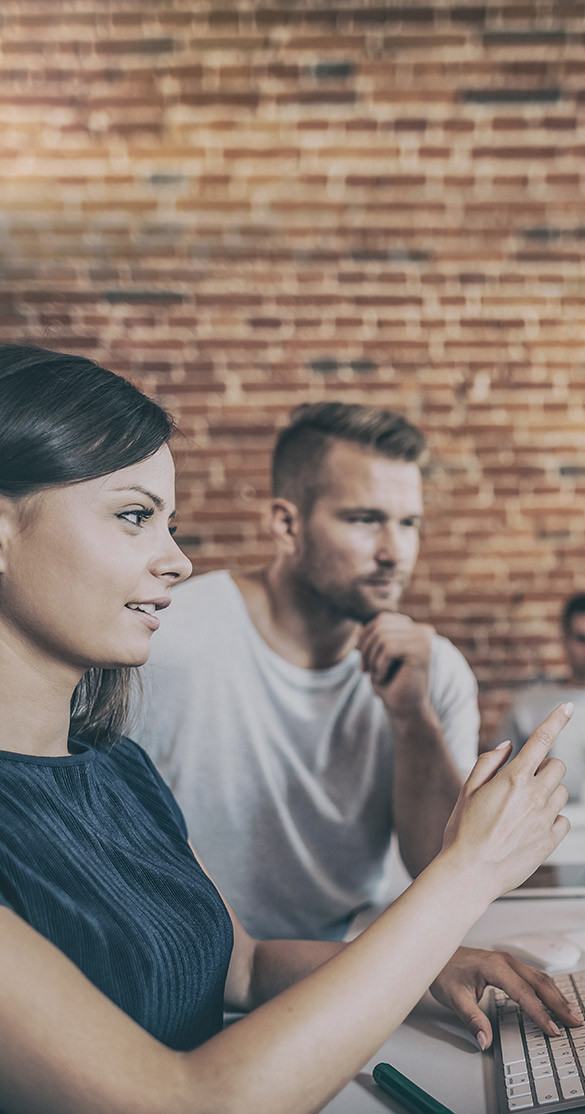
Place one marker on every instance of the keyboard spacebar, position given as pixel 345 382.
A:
pixel 511 1040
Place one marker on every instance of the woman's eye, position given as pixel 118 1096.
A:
pixel 136 517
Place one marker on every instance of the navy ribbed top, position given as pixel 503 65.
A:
pixel 94 855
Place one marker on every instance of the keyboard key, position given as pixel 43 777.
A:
pixel 539 1073
pixel 559 1043
pixel 546 1090
pixel 567 1071
pixel 540 1062
pixel 513 1078
pixel 512 1047
pixel 515 1092
pixel 536 1042
pixel 571 1088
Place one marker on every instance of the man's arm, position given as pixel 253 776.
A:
pixel 510 728
pixel 426 784
pixel 397 653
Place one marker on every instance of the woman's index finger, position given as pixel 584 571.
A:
pixel 537 747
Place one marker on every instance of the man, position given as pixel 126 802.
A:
pixel 298 716
pixel 534 701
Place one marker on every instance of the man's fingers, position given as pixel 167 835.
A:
pixel 540 742
pixel 369 647
pixel 378 661
pixel 396 633
pixel 391 622
pixel 375 641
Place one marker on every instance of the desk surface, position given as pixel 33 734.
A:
pixel 432 1047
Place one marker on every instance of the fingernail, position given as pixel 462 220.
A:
pixel 568 709
pixel 501 746
pixel 554 1029
pixel 577 1015
pixel 481 1040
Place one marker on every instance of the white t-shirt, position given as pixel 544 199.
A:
pixel 531 706
pixel 284 774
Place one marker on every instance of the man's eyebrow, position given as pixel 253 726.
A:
pixel 156 499
pixel 378 512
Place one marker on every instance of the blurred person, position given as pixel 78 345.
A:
pixel 299 717
pixel 536 700
pixel 117 953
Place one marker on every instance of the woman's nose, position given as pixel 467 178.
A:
pixel 173 564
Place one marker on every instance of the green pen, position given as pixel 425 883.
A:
pixel 407 1092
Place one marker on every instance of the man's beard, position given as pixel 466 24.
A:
pixel 351 603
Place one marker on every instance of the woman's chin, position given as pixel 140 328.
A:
pixel 133 657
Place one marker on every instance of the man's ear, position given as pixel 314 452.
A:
pixel 7 527
pixel 284 525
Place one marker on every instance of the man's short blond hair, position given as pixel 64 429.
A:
pixel 302 446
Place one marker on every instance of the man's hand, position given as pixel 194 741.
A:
pixel 463 981
pixel 396 652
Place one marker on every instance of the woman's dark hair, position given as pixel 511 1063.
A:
pixel 64 419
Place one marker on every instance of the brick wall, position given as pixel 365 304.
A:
pixel 246 204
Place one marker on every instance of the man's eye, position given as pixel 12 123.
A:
pixel 136 517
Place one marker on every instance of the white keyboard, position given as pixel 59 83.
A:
pixel 534 1071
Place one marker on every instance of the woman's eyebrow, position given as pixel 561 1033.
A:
pixel 156 499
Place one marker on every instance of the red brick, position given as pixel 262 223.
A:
pixel 332 222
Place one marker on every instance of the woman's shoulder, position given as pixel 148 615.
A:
pixel 135 767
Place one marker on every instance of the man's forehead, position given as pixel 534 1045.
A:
pixel 352 473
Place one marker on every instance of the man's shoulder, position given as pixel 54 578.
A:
pixel 542 694
pixel 204 592
pixel 451 679
pixel 219 581
pixel 204 604
pixel 446 657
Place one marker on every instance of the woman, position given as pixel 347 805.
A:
pixel 116 951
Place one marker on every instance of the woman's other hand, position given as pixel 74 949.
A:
pixel 466 976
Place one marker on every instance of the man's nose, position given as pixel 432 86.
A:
pixel 388 549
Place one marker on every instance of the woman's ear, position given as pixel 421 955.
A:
pixel 8 525
pixel 284 525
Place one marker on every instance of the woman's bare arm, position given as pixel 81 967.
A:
pixel 66 1049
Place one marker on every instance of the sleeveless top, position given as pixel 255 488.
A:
pixel 94 855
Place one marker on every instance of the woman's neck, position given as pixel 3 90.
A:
pixel 35 698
